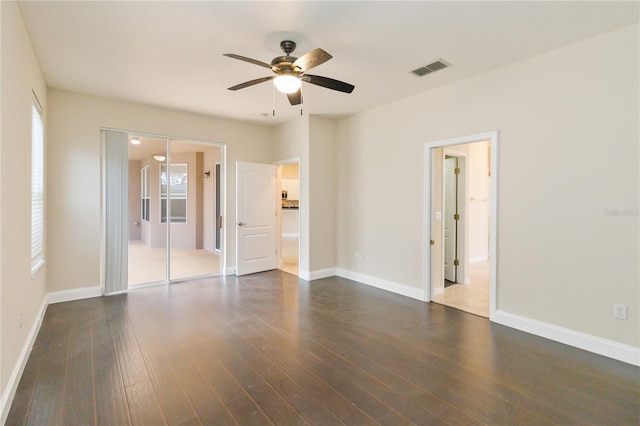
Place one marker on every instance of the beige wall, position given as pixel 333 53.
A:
pixel 18 291
pixel 290 171
pixel 291 140
pixel 74 171
pixel 313 140
pixel 322 193
pixel 568 154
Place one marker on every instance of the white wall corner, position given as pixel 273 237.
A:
pixel 322 273
pixel 75 294
pixel 604 347
pixel 393 287
pixel 10 391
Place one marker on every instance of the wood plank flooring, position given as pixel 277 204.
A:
pixel 271 349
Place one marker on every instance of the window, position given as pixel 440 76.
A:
pixel 37 188
pixel 177 181
pixel 144 190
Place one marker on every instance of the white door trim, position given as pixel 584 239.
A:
pixel 492 137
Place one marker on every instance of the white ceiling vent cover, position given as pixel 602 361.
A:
pixel 432 67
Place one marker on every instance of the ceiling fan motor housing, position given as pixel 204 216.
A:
pixel 284 64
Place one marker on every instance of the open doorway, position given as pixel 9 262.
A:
pixel 174 210
pixel 289 235
pixel 461 200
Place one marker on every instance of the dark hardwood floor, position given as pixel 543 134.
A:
pixel 270 349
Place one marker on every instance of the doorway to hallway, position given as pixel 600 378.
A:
pixel 289 235
pixel 460 221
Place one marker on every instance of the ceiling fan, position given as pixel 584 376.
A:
pixel 290 72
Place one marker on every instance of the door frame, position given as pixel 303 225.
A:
pixel 492 138
pixel 295 160
pixel 223 208
pixel 463 207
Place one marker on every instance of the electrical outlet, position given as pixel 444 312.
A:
pixel 21 319
pixel 356 255
pixel 620 311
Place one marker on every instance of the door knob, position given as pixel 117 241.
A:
pixel 241 223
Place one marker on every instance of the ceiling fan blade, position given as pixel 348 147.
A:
pixel 251 83
pixel 295 98
pixel 312 59
pixel 329 83
pixel 245 59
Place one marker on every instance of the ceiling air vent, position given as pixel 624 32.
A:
pixel 433 67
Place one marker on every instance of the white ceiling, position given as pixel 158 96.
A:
pixel 169 54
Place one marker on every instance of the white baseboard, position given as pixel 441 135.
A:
pixel 75 294
pixel 291 235
pixel 404 290
pixel 479 259
pixel 305 275
pixel 322 273
pixel 10 391
pixel 230 270
pixel 604 347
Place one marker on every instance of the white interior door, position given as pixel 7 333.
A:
pixel 255 217
pixel 450 236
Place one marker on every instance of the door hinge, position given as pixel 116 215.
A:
pixel 457 170
pixel 432 242
pixel 456 216
pixel 219 221
pixel 456 262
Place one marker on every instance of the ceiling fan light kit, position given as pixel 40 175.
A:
pixel 287 83
pixel 291 72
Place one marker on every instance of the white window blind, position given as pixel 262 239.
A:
pixel 37 189
pixel 116 210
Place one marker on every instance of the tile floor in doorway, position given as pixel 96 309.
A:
pixel 148 264
pixel 290 255
pixel 472 297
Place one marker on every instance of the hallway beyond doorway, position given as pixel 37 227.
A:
pixel 473 297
